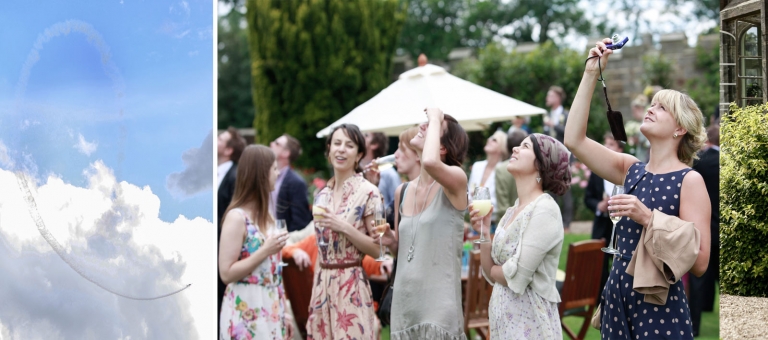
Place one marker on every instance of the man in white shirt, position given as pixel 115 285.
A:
pixel 554 123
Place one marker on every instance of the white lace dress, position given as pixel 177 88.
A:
pixel 528 249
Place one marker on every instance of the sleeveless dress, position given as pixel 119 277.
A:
pixel 426 297
pixel 527 315
pixel 254 307
pixel 341 306
pixel 625 314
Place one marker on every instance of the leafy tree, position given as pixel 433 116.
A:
pixel 235 102
pixel 314 61
pixel 434 27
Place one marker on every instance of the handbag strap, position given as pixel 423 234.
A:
pixel 394 262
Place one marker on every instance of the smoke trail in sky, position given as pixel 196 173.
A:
pixel 63 29
pixel 63 254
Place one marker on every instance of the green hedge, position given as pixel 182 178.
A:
pixel 744 201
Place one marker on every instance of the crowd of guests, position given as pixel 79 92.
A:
pixel 337 238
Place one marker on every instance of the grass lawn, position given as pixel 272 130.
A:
pixel 710 321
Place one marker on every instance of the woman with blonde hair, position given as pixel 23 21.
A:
pixel 521 262
pixel 254 300
pixel 664 187
pixel 483 172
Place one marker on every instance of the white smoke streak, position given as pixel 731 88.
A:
pixel 63 29
pixel 63 254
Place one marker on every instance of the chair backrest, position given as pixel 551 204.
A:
pixel 298 289
pixel 478 292
pixel 582 275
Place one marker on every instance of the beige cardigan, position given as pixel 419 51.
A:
pixel 668 249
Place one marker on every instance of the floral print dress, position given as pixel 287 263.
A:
pixel 254 307
pixel 341 306
pixel 527 315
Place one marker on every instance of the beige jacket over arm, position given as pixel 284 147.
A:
pixel 668 249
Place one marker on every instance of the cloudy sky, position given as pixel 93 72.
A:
pixel 107 107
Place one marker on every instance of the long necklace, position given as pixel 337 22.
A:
pixel 413 239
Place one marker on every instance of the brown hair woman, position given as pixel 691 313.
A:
pixel 341 306
pixel 426 300
pixel 253 303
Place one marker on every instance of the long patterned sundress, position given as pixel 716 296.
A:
pixel 254 307
pixel 526 315
pixel 625 314
pixel 341 306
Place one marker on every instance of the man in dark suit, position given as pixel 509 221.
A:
pixel 229 147
pixel 554 125
pixel 702 288
pixel 289 199
pixel 596 198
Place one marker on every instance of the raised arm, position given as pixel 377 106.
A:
pixel 606 163
pixel 453 179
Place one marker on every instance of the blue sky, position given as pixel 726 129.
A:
pixel 157 54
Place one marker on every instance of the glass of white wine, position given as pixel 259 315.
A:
pixel 617 190
pixel 482 202
pixel 280 228
pixel 318 208
pixel 380 221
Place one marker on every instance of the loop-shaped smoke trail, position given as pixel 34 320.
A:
pixel 60 251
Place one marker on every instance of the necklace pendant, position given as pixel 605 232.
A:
pixel 410 254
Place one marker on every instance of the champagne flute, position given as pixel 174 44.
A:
pixel 384 163
pixel 482 202
pixel 617 190
pixel 280 228
pixel 320 207
pixel 380 218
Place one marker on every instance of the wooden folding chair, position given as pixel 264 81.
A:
pixel 579 296
pixel 298 289
pixel 478 295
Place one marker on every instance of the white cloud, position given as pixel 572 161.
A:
pixel 194 53
pixel 113 232
pixel 5 159
pixel 198 174
pixel 85 147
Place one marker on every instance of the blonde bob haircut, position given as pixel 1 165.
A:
pixel 501 139
pixel 689 117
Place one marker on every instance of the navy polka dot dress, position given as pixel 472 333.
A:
pixel 625 314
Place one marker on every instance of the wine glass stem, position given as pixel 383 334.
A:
pixel 613 233
pixel 381 248
pixel 482 234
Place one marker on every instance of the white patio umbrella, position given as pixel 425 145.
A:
pixel 401 105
